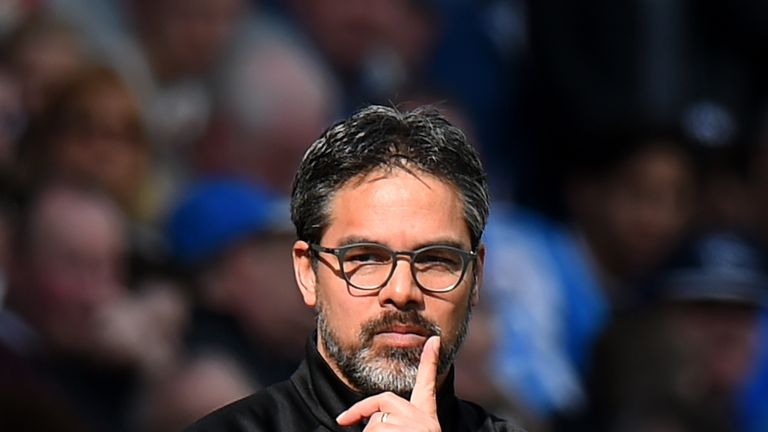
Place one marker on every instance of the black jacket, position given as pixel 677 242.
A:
pixel 314 396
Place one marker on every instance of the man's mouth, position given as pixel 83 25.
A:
pixel 402 335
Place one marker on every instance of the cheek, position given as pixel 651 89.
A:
pixel 447 313
pixel 345 315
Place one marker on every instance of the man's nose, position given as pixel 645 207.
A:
pixel 401 291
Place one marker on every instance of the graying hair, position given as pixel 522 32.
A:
pixel 379 137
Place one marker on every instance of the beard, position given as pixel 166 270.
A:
pixel 394 369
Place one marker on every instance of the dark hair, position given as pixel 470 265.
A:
pixel 600 153
pixel 382 137
pixel 69 110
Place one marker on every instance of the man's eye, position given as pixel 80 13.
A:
pixel 439 258
pixel 364 256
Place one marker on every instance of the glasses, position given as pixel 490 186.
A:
pixel 370 266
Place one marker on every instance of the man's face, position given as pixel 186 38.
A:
pixel 106 146
pixel 373 339
pixel 74 267
pixel 718 342
pixel 635 215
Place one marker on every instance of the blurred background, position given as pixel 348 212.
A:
pixel 147 148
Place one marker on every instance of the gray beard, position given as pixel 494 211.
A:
pixel 391 369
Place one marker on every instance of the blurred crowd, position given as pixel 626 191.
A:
pixel 147 150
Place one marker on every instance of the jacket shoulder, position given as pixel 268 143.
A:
pixel 481 421
pixel 258 412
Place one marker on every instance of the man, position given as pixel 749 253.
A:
pixel 230 238
pixel 699 334
pixel 74 340
pixel 389 209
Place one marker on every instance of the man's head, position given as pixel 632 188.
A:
pixel 184 38
pixel 68 269
pixel 405 181
pixel 273 99
pixel 380 138
pixel 227 235
pixel 92 130
pixel 632 195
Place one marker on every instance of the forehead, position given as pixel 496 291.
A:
pixel 70 218
pixel 399 208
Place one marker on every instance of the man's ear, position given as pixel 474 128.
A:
pixel 478 274
pixel 306 278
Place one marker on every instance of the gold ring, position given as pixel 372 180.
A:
pixel 384 417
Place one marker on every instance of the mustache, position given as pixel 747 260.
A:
pixel 390 319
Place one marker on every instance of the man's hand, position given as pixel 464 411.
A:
pixel 389 412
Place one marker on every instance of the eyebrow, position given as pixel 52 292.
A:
pixel 444 241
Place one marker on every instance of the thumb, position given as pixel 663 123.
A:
pixel 423 395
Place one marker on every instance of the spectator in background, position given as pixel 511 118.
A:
pixel 192 389
pixel 272 100
pixel 184 38
pixel 92 130
pixel 68 266
pixel 376 49
pixel 70 319
pixel 749 192
pixel 167 52
pixel 630 198
pixel 547 308
pixel 230 237
pixel 40 54
pixel 735 194
pixel 677 362
pixel 179 45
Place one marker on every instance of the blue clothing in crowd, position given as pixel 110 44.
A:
pixel 548 307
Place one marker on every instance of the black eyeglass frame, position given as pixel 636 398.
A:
pixel 467 257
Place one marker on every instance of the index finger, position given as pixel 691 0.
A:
pixel 423 395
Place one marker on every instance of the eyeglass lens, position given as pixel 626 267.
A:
pixel 435 268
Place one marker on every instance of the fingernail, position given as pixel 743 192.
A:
pixel 340 416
